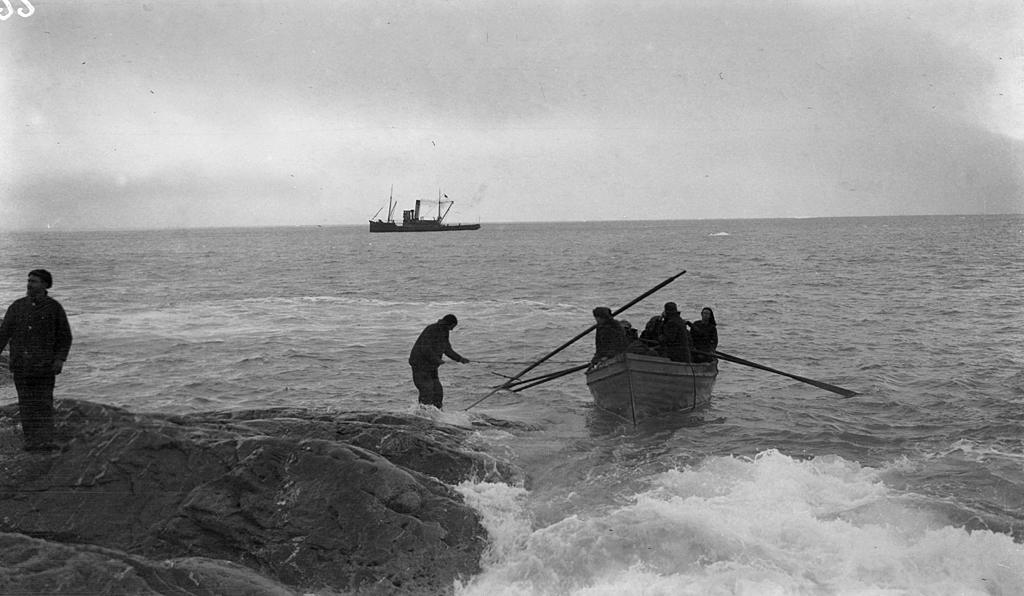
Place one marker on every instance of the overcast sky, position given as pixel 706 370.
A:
pixel 147 114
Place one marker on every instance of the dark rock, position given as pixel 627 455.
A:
pixel 408 441
pixel 314 500
pixel 33 566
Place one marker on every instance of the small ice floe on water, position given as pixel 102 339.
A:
pixel 719 234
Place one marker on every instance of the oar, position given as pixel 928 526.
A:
pixel 544 379
pixel 825 386
pixel 499 374
pixel 515 381
pixel 580 336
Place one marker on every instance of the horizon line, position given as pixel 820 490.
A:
pixel 496 222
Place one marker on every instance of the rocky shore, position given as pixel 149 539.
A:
pixel 275 501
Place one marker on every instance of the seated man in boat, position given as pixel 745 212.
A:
pixel 610 339
pixel 635 343
pixel 674 339
pixel 627 328
pixel 652 330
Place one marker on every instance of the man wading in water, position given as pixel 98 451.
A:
pixel 425 358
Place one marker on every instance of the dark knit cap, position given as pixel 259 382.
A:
pixel 44 275
pixel 449 319
pixel 603 312
pixel 671 307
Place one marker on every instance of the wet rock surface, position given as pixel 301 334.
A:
pixel 274 501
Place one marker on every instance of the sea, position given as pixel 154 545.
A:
pixel 913 486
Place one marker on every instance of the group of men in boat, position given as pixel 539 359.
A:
pixel 666 335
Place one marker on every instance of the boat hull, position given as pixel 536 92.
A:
pixel 638 386
pixel 390 226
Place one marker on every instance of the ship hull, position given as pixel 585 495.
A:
pixel 390 226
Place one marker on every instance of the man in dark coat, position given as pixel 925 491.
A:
pixel 704 335
pixel 425 358
pixel 652 330
pixel 674 342
pixel 37 328
pixel 610 338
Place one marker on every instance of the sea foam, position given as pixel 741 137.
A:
pixel 772 524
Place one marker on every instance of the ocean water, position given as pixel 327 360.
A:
pixel 914 486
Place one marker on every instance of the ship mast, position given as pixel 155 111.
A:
pixel 391 209
pixel 450 203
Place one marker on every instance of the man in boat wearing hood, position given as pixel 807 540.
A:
pixel 610 338
pixel 674 342
pixel 425 358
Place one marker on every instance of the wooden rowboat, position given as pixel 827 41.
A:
pixel 638 386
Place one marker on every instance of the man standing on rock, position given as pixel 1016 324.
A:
pixel 40 337
pixel 425 358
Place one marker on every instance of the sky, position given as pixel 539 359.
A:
pixel 167 114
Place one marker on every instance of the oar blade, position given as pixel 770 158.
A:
pixel 828 387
